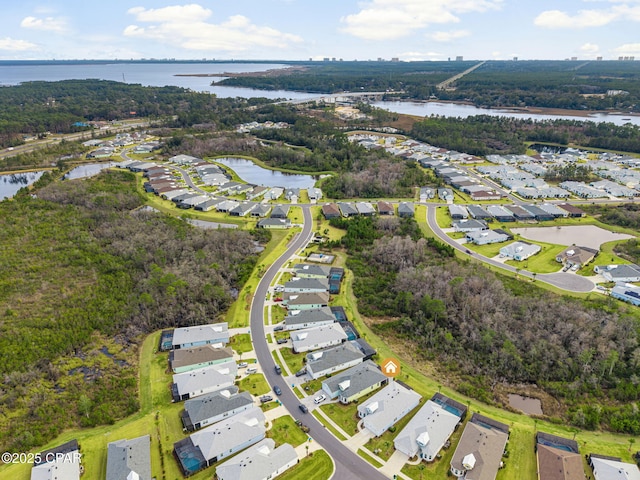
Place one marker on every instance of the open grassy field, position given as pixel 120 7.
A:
pixel 285 430
pixel 317 466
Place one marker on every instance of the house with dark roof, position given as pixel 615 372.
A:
pixel 280 211
pixel 305 301
pixel 260 210
pixel 572 210
pixel 406 209
pixel 520 213
pixel 347 209
pixel 306 270
pixel 330 210
pixel 469 225
pixel 187 359
pixel 292 194
pixel 330 360
pixel 478 455
pixel 354 383
pixel 479 213
pixel 129 459
pixel 307 285
pixel 208 409
pixel 259 462
pixel 242 209
pixel 274 223
pixel 558 458
pixel 387 407
pixel 539 214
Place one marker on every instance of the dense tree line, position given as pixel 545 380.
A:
pixel 89 262
pixel 471 324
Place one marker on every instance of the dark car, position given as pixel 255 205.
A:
pixel 278 328
pixel 276 390
pixel 300 373
pixel 303 408
pixel 278 370
pixel 280 341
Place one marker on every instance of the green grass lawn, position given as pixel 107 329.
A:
pixel 369 458
pixel 345 416
pixel 542 262
pixel 285 430
pixel 277 314
pixel 606 257
pixel 255 384
pixel 329 427
pixel 241 343
pixel 443 219
pixel 295 361
pixel 317 466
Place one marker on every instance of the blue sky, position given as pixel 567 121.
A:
pixel 303 29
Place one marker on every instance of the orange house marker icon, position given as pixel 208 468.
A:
pixel 391 367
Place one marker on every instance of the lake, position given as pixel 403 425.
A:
pixel 11 183
pixel 88 170
pixel 252 173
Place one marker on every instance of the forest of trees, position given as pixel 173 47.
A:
pixel 469 322
pixel 90 271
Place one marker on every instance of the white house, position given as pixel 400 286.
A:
pixel 261 462
pixel 317 337
pixel 387 407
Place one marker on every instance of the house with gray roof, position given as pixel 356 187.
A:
pixel 313 317
pixel 479 213
pixel 61 462
pixel 199 335
pixel 305 301
pixel 187 359
pixel 274 223
pixel 612 468
pixel 458 212
pixel 500 213
pixel 554 210
pixel 257 191
pixel 261 210
pixel 469 225
pixel 185 159
pixel 274 193
pixel 574 255
pixel 365 208
pixel 427 432
pixel 387 407
pixel 200 382
pixel 485 237
pixel 220 440
pixel 317 337
pixel 208 409
pixel 173 193
pixel 347 209
pixel 406 209
pixel 519 250
pixel 354 383
pixel 478 455
pixel 330 360
pixel 129 459
pixel 292 194
pixel 226 206
pixel 306 270
pixel 307 285
pixel 214 179
pixel 315 194
pixel 445 194
pixel 619 273
pixel 242 209
pixel 260 462
pixel 280 211
pixel 426 193
pixel 209 204
pixel 626 292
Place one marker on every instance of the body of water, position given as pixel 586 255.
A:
pixel 252 173
pixel 11 183
pixel 426 109
pixel 88 170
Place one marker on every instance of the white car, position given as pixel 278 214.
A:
pixel 251 370
pixel 319 399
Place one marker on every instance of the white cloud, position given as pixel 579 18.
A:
pixel 185 26
pixel 420 56
pixel 390 19
pixel 450 36
pixel 583 19
pixel 50 24
pixel 12 44
pixel 628 49
pixel 590 48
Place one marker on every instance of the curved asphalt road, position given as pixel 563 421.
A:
pixel 565 281
pixel 348 465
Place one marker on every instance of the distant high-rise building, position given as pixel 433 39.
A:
pixel 380 59
pixel 326 59
pixel 598 59
pixel 620 58
pixel 632 58
pixel 573 59
pixel 515 59
pixel 459 58
pixel 395 59
pixel 333 59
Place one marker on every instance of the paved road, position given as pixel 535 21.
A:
pixel 565 281
pixel 348 465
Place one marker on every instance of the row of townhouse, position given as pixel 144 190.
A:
pixel 347 209
pixel 512 213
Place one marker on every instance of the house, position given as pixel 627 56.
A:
pixel 257 191
pixel 220 440
pixel 274 193
pixel 187 359
pixel 579 256
pixel 387 407
pixel 458 212
pixel 209 204
pixel 226 206
pixel 573 211
pixel 305 270
pixel 194 201
pixel 314 317
pixel 292 194
pixel 485 237
pixel 317 337
pixel 519 250
pixel 478 455
pixel 261 462
pixel 484 195
pixel 185 160
pixel 538 213
pixel 558 458
pixel 554 210
pixel 406 209
pixel 612 468
pixel 365 209
pixel 61 462
pixel 347 209
pixel 305 301
pixel 211 334
pixel 242 209
pixel 330 360
pixel 330 210
pixel 280 211
pixel 445 194
pixel 315 194
pixel 619 273
pixel 129 459
pixel 200 382
pixel 307 285
pixel 500 213
pixel 211 408
pixel 261 210
pixel 479 213
pixel 520 213
pixel 336 274
pixel 274 223
pixel 354 383
pixel 627 293
pixel 470 225
pixel 426 193
pixel 385 208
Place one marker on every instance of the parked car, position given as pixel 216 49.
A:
pixel 302 426
pixel 277 299
pixel 278 288
pixel 319 399
pixel 251 370
pixel 278 328
pixel 278 370
pixel 280 341
pixel 277 390
pixel 265 398
pixel 303 408
pixel 301 372
pixel 242 365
